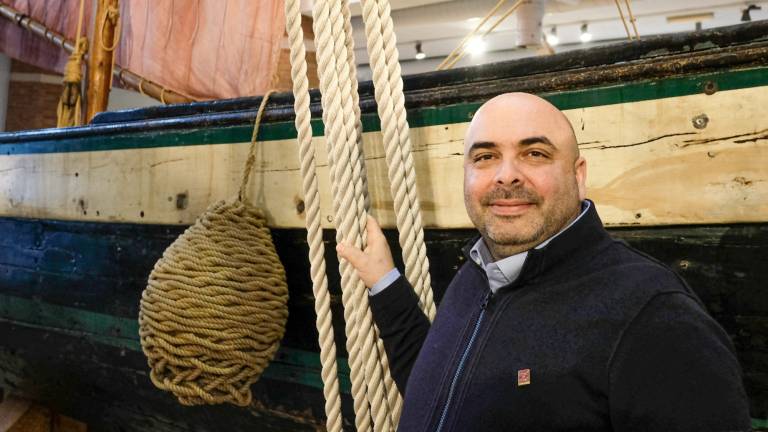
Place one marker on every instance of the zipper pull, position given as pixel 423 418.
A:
pixel 486 300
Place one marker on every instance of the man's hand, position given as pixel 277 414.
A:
pixel 375 261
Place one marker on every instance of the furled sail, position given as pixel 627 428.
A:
pixel 207 49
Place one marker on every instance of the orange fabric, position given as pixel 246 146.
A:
pixel 207 49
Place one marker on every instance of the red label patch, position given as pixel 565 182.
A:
pixel 523 377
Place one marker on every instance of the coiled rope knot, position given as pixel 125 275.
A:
pixel 68 110
pixel 214 310
pixel 73 70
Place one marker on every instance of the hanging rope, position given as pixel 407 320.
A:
pixel 112 15
pixel 449 62
pixel 69 109
pixel 214 310
pixel 377 403
pixel 388 86
pixel 469 35
pixel 632 19
pixel 333 69
pixel 311 193
pixel 624 21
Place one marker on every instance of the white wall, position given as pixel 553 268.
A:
pixel 120 99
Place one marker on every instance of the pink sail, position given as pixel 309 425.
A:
pixel 206 49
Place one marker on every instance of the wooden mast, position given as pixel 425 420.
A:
pixel 105 40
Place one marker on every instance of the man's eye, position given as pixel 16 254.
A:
pixel 483 157
pixel 537 154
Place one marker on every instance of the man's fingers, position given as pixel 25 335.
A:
pixel 373 228
pixel 350 253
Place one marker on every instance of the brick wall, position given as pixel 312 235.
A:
pixel 31 103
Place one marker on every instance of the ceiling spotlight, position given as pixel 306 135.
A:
pixel 745 17
pixel 585 36
pixel 476 45
pixel 419 53
pixel 552 38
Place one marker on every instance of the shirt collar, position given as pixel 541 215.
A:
pixel 506 270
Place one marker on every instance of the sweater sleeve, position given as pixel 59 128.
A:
pixel 402 327
pixel 674 369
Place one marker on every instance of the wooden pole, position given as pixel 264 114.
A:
pixel 101 57
pixel 125 76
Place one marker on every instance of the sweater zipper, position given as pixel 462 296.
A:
pixel 463 360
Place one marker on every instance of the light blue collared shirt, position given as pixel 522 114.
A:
pixel 500 273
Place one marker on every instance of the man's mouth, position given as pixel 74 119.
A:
pixel 509 207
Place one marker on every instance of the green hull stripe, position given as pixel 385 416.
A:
pixel 442 115
pixel 291 365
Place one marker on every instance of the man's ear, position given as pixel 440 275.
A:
pixel 580 168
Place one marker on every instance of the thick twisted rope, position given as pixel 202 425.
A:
pixel 350 215
pixel 394 400
pixel 388 87
pixel 331 109
pixel 214 310
pixel 376 370
pixel 326 341
pixel 420 275
pixel 377 402
pixel 367 343
pixel 349 42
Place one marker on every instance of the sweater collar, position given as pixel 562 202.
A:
pixel 585 233
pixel 506 270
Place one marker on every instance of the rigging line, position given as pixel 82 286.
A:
pixel 464 41
pixel 501 19
pixel 623 20
pixel 632 19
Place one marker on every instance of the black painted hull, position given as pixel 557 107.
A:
pixel 108 387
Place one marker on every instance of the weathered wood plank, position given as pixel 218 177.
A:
pixel 649 164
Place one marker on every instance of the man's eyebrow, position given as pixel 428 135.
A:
pixel 477 145
pixel 536 140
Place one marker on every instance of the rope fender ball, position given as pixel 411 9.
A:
pixel 215 307
pixel 214 310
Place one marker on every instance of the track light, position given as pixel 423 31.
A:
pixel 419 53
pixel 585 36
pixel 552 38
pixel 476 45
pixel 745 17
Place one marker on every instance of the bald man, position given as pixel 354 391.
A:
pixel 550 325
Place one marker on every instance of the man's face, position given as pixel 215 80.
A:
pixel 523 180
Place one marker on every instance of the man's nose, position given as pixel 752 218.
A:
pixel 507 173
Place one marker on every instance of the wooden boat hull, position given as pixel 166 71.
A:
pixel 69 327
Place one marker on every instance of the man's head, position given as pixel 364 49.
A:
pixel 523 175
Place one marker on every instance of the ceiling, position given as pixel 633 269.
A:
pixel 440 25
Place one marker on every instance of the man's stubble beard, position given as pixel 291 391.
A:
pixel 505 240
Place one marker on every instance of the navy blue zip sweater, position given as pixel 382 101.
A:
pixel 592 336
